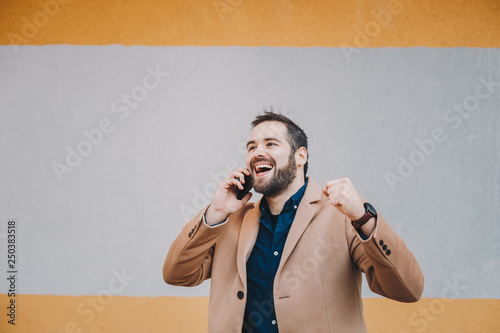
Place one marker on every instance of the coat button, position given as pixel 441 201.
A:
pixel 384 247
pixel 381 242
pixel 241 294
pixel 388 252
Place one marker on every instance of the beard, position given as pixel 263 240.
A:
pixel 282 179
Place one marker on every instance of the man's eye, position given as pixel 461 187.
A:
pixel 270 144
pixel 251 148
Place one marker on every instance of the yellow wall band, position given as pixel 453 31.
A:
pixel 71 314
pixel 371 23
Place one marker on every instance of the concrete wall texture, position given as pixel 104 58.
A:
pixel 117 120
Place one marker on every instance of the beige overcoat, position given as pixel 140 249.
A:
pixel 317 287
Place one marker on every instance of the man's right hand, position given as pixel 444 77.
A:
pixel 224 201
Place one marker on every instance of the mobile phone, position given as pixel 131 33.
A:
pixel 247 186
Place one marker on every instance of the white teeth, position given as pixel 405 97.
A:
pixel 261 166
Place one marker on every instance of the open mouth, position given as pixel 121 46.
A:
pixel 261 169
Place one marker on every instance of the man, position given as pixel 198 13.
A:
pixel 292 261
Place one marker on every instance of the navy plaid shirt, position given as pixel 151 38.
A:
pixel 263 263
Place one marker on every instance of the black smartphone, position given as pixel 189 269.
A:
pixel 247 186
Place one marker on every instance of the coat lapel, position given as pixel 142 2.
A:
pixel 250 228
pixel 248 235
pixel 305 213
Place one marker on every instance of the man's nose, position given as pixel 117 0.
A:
pixel 259 151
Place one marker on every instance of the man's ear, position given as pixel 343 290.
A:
pixel 301 156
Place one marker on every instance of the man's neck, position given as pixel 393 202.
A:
pixel 276 203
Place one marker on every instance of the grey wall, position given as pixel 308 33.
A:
pixel 393 120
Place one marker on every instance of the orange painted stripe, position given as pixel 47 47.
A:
pixel 57 314
pixel 371 23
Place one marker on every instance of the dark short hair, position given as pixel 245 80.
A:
pixel 296 136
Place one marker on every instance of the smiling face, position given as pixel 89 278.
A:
pixel 270 158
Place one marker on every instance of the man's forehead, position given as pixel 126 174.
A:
pixel 269 129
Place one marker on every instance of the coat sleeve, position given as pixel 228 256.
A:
pixel 390 268
pixel 189 259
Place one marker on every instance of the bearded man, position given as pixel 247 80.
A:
pixel 292 261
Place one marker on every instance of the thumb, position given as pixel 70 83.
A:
pixel 325 190
pixel 246 198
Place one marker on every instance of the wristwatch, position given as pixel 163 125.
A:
pixel 369 213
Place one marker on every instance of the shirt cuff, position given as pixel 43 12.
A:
pixel 213 225
pixel 362 235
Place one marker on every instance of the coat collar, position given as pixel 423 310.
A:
pixel 248 236
pixel 306 211
pixel 250 228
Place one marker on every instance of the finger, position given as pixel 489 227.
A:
pixel 239 176
pixel 332 190
pixel 237 182
pixel 240 179
pixel 246 198
pixel 336 198
pixel 236 174
pixel 244 173
pixel 233 181
pixel 333 183
pixel 333 194
pixel 241 171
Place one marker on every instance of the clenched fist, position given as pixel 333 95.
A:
pixel 342 194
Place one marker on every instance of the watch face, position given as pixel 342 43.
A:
pixel 369 208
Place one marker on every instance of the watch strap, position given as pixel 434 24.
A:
pixel 369 213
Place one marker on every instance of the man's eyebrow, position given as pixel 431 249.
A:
pixel 265 139
pixel 272 139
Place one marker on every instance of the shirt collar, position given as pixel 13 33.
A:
pixel 294 200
